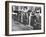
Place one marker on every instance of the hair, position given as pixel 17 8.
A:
pixel 38 8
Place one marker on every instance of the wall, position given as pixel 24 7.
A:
pixel 2 18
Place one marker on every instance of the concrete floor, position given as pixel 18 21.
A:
pixel 16 26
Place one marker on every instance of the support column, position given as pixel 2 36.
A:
pixel 30 19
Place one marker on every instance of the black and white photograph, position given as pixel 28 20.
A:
pixel 25 18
